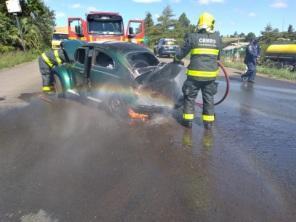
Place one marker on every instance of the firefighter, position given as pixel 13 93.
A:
pixel 252 54
pixel 47 61
pixel 204 47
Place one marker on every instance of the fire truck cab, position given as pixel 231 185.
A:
pixel 106 26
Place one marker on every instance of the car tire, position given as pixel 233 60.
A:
pixel 117 107
pixel 59 88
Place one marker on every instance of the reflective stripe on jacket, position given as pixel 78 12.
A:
pixel 204 51
pixel 53 58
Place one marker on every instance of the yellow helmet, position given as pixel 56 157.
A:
pixel 206 21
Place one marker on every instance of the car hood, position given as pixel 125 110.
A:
pixel 150 75
pixel 161 85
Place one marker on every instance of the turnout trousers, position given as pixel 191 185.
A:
pixel 251 72
pixel 190 90
pixel 46 73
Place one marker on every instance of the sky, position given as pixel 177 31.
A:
pixel 231 15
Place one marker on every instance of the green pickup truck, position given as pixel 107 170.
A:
pixel 119 75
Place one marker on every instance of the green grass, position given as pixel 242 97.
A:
pixel 271 72
pixel 11 59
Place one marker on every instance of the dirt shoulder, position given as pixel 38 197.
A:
pixel 21 79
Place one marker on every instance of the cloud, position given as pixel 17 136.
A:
pixel 75 5
pixel 91 8
pixel 175 1
pixel 60 14
pixel 252 14
pixel 279 4
pixel 156 16
pixel 206 2
pixel 146 1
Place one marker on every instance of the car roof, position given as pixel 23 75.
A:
pixel 121 47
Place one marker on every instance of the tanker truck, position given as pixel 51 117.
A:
pixel 282 55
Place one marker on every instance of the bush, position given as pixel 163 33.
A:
pixel 6 48
pixel 10 59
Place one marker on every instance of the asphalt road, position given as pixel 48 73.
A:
pixel 64 160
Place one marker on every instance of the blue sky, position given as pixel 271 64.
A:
pixel 231 15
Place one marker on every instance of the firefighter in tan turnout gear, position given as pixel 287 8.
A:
pixel 47 61
pixel 204 48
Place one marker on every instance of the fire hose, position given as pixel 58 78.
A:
pixel 226 93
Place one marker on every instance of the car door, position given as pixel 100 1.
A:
pixel 104 70
pixel 78 68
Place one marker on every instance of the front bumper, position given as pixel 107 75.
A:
pixel 167 52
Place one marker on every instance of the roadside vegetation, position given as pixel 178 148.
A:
pixel 268 36
pixel 36 21
pixel 13 58
pixel 271 72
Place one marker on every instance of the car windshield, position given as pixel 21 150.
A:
pixel 57 36
pixel 142 60
pixel 170 42
pixel 105 27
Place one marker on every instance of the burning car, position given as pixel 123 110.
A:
pixel 120 75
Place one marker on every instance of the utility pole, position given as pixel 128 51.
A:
pixel 14 7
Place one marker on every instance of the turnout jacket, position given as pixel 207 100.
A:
pixel 252 53
pixel 204 49
pixel 53 57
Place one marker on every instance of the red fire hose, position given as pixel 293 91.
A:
pixel 226 75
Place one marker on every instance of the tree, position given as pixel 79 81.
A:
pixel 148 21
pixel 184 21
pixel 242 35
pixel 165 20
pixel 268 28
pixel 250 36
pixel 290 29
pixel 37 22
pixel 235 34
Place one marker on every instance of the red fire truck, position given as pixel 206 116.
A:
pixel 106 26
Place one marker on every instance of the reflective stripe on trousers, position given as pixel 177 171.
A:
pixel 188 116
pixel 208 118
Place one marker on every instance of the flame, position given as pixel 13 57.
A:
pixel 134 115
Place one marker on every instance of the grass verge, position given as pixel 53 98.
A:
pixel 11 59
pixel 271 72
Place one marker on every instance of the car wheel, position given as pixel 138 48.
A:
pixel 58 86
pixel 117 107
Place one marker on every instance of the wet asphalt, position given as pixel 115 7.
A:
pixel 67 160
